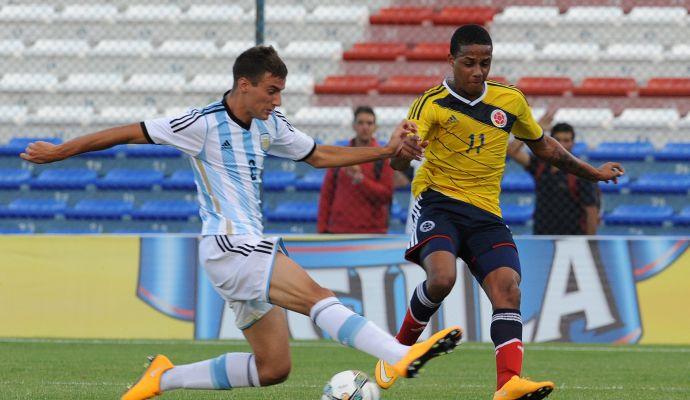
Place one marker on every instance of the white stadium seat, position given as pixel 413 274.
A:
pixel 174 111
pixel 124 115
pixel 58 47
pixel 299 83
pixel 233 48
pixel 634 51
pixel 592 15
pixel 656 15
pixel 88 13
pixel 122 48
pixel 528 15
pixel 144 13
pixel 388 115
pixel 11 47
pixel 685 122
pixel 62 115
pixel 647 118
pixel 28 83
pixel 154 83
pixel 215 13
pixel 187 48
pixel 679 52
pixel 292 14
pixel 584 117
pixel 569 51
pixel 513 51
pixel 27 12
pixel 339 14
pixel 314 49
pixel 12 114
pixel 91 83
pixel 341 116
pixel 538 113
pixel 210 83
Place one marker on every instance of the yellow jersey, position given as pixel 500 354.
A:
pixel 468 140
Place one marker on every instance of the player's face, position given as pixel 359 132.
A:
pixel 265 96
pixel 365 126
pixel 565 139
pixel 470 69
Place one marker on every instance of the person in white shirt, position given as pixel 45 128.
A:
pixel 227 142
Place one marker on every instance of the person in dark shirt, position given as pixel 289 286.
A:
pixel 566 204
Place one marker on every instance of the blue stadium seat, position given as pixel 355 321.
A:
pixel 518 182
pixel 294 211
pixel 278 180
pixel 13 178
pixel 673 151
pixel 683 218
pixel 17 145
pixel 342 142
pixel 33 208
pixel 398 212
pixel 661 182
pixel 167 209
pixel 72 230
pixel 580 149
pixel 627 214
pixel 77 178
pixel 182 179
pixel 99 209
pixel 618 151
pixel 623 182
pixel 311 180
pixel 123 178
pixel 517 214
pixel 151 150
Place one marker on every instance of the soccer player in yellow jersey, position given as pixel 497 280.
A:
pixel 465 124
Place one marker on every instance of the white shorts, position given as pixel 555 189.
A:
pixel 240 268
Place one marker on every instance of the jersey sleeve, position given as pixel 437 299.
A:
pixel 290 142
pixel 423 114
pixel 526 128
pixel 186 132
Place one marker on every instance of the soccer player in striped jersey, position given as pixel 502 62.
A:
pixel 227 142
pixel 466 122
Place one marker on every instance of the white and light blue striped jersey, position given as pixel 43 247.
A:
pixel 228 159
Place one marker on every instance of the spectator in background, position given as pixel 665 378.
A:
pixel 566 204
pixel 357 199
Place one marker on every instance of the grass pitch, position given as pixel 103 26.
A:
pixel 74 369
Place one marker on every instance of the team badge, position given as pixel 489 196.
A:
pixel 499 118
pixel 265 141
pixel 426 226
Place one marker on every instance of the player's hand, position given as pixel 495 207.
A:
pixel 41 153
pixel 405 143
pixel 610 172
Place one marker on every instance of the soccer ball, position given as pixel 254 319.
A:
pixel 350 385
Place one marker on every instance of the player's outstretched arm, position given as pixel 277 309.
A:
pixel 549 150
pixel 403 143
pixel 44 152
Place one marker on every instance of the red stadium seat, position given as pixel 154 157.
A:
pixel 409 84
pixel 375 51
pixel 429 52
pixel 402 16
pixel 666 87
pixel 464 15
pixel 606 87
pixel 545 86
pixel 347 84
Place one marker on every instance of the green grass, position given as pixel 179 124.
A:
pixel 38 369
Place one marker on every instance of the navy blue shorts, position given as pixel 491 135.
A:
pixel 480 238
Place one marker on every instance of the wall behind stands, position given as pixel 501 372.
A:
pixel 609 290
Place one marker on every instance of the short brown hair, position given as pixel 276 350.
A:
pixel 364 110
pixel 254 62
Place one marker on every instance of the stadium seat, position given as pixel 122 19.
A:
pixel 528 15
pixel 639 215
pixel 182 179
pixel 517 182
pixel 233 48
pixel 457 16
pixel 606 87
pixel 623 183
pixel 75 115
pixel 408 84
pixel 311 180
pixel 323 116
pixel 619 151
pixel 11 48
pixel 375 51
pixel 580 149
pixel 517 214
pixel 293 211
pixel 679 52
pixel 428 52
pixel 151 151
pixel 150 13
pixel 13 178
pixel 122 178
pixel 569 52
pixel 592 15
pixel 347 84
pixel 278 180
pixel 33 208
pixel 13 114
pixel 167 210
pixel 58 48
pixel 27 13
pixel 339 14
pixel 91 83
pixel 390 115
pixel 299 83
pixel 187 48
pixel 634 52
pixel 210 83
pixel 513 51
pixel 402 16
pixel 99 209
pixel 20 82
pixel 329 50
pixel 154 83
pixel 666 87
pixel 56 179
pixel 584 117
pixel 122 48
pixel 683 218
pixel 545 86
pixel 17 145
pixel 661 182
pixel 106 13
pixel 656 15
pixel 292 14
pixel 215 13
pixel 673 151
pixel 642 118
pixel 124 115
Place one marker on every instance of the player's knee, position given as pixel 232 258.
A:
pixel 506 294
pixel 440 285
pixel 317 294
pixel 274 373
